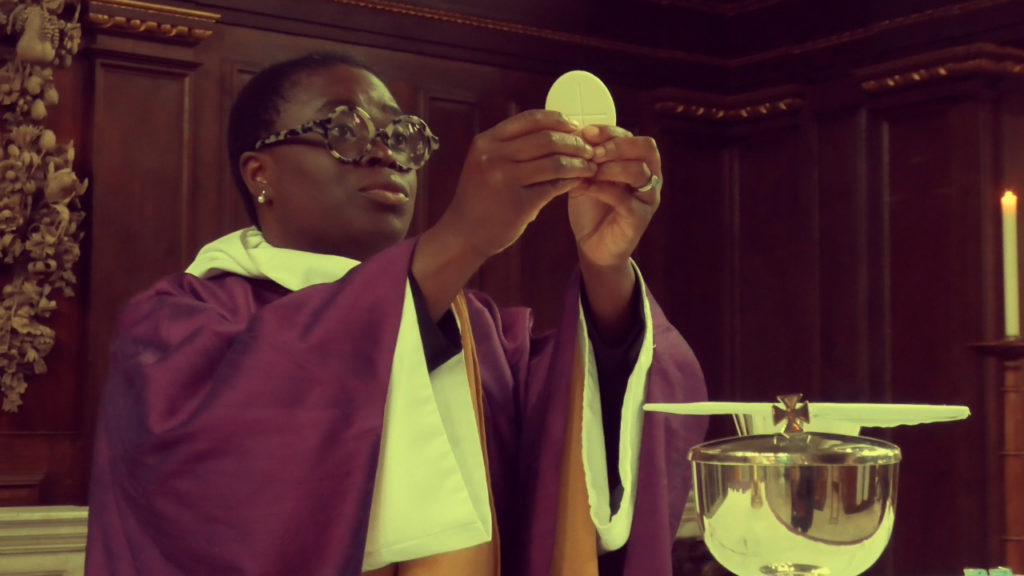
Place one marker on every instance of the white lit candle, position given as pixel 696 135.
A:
pixel 1011 295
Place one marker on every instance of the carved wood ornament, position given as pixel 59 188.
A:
pixel 154 21
pixel 40 210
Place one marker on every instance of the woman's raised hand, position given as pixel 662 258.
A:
pixel 511 172
pixel 610 211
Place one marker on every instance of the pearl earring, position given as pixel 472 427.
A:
pixel 263 197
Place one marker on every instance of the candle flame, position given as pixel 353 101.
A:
pixel 1009 199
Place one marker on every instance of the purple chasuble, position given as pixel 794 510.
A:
pixel 240 428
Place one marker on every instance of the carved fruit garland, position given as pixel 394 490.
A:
pixel 40 210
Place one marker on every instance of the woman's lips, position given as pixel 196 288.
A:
pixel 390 195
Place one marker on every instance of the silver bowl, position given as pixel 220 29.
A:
pixel 808 504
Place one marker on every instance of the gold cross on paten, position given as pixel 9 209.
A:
pixel 795 413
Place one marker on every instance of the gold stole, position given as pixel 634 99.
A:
pixel 575 534
pixel 575 551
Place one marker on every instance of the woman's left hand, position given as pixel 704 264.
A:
pixel 607 212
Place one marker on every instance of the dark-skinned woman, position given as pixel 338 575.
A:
pixel 318 395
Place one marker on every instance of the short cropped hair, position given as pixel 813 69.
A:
pixel 258 106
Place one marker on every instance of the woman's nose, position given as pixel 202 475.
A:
pixel 378 154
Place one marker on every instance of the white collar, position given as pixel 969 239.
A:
pixel 247 253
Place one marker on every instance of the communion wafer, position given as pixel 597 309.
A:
pixel 582 97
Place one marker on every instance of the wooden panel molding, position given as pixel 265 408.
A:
pixel 982 59
pixel 142 218
pixel 143 175
pixel 42 468
pixel 934 164
pixel 727 8
pixel 490 24
pixel 661 51
pixel 18 489
pixel 155 21
pixel 724 111
pixel 461 118
pixel 935 14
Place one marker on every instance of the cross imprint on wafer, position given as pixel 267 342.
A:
pixel 582 97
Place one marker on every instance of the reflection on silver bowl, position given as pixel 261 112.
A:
pixel 802 505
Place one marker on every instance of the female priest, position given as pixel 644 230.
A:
pixel 318 395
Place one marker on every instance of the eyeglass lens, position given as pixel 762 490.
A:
pixel 349 135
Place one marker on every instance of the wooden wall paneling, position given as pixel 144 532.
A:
pixel 233 214
pixel 447 35
pixel 1010 152
pixel 41 439
pixel 933 166
pixel 43 468
pixel 549 257
pixel 1009 173
pixel 459 118
pixel 685 254
pixel 141 192
pixel 688 249
pixel 19 489
pixel 167 36
pixel 142 181
pixel 648 46
pixel 879 268
pixel 455 119
pixel 878 281
pixel 215 206
pixel 989 398
pixel 842 189
pixel 776 269
pixel 505 276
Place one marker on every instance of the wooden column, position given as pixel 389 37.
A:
pixel 1011 355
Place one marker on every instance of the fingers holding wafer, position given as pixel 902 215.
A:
pixel 635 177
pixel 612 143
pixel 623 158
pixel 532 121
pixel 610 210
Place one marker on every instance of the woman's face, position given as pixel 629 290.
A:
pixel 319 204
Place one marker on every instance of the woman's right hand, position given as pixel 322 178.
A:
pixel 511 172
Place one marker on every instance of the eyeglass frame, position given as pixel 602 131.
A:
pixel 319 127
